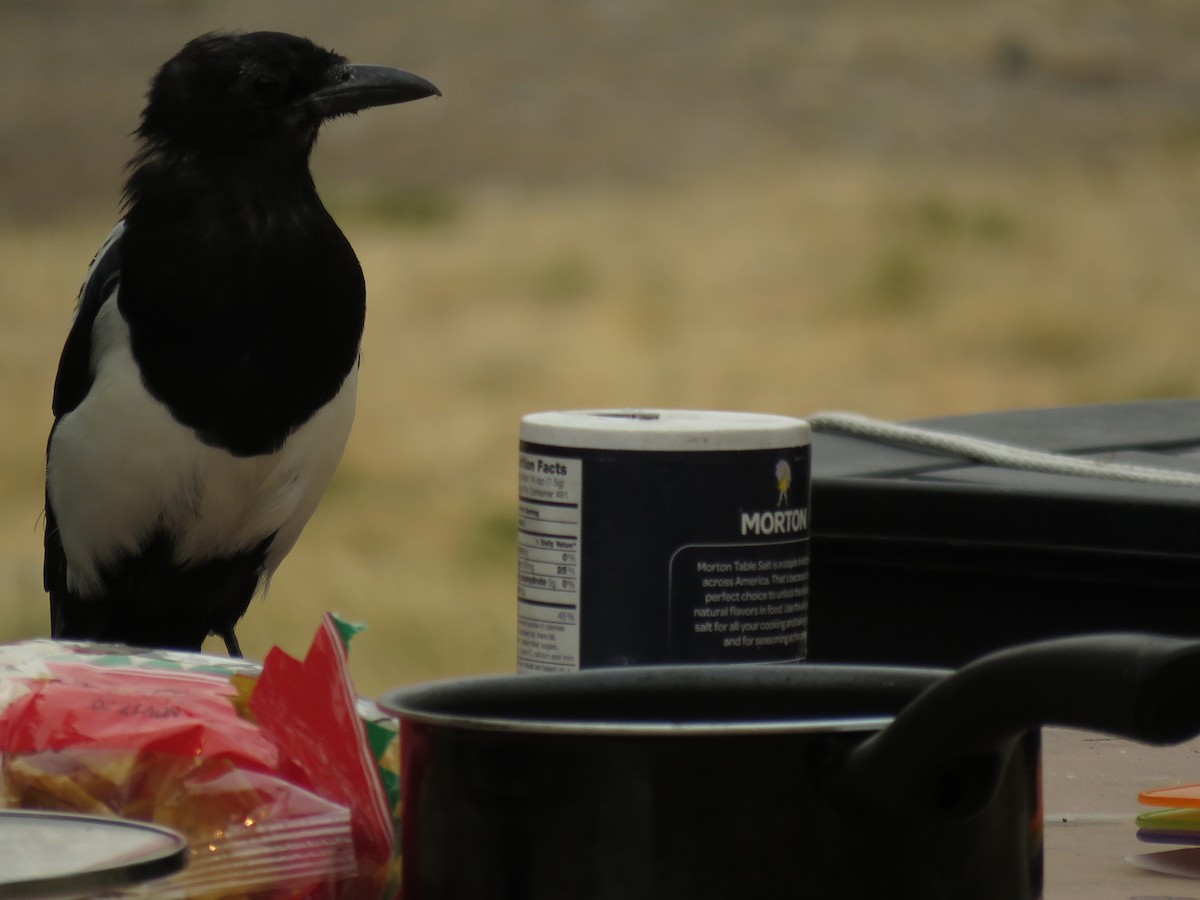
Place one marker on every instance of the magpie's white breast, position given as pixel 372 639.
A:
pixel 120 467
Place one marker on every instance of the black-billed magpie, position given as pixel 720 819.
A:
pixel 206 389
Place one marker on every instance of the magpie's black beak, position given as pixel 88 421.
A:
pixel 361 87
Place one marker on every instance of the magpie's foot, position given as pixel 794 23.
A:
pixel 232 647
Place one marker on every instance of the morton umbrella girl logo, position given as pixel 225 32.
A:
pixel 783 479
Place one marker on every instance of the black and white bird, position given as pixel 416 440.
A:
pixel 207 386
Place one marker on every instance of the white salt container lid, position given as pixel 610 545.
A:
pixel 664 429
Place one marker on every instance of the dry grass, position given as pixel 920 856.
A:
pixel 1005 270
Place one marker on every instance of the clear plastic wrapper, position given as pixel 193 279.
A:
pixel 282 780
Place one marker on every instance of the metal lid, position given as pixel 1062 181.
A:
pixel 48 854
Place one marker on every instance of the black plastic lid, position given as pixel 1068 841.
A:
pixel 875 498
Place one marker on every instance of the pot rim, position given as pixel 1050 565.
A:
pixel 714 727
pixel 700 700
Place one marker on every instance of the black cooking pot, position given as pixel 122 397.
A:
pixel 803 781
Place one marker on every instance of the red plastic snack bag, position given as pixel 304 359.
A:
pixel 271 808
pixel 299 704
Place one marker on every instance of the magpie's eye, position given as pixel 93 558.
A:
pixel 263 88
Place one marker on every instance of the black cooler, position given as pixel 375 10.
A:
pixel 920 557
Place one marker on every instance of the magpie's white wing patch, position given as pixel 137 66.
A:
pixel 75 371
pixel 101 261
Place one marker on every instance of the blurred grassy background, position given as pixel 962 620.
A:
pixel 913 209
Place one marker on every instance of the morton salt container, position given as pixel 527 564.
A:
pixel 655 536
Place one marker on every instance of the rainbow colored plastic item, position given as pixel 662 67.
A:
pixel 1178 823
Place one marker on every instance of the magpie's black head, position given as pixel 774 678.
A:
pixel 263 93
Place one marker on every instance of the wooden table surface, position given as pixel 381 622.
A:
pixel 1091 786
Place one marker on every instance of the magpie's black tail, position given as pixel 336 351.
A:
pixel 149 600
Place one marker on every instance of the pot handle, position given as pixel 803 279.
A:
pixel 944 754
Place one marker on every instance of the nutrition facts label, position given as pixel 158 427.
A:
pixel 548 541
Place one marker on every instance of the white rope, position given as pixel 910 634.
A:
pixel 995 453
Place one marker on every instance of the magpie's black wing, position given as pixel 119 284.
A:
pixel 71 385
pixel 74 377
